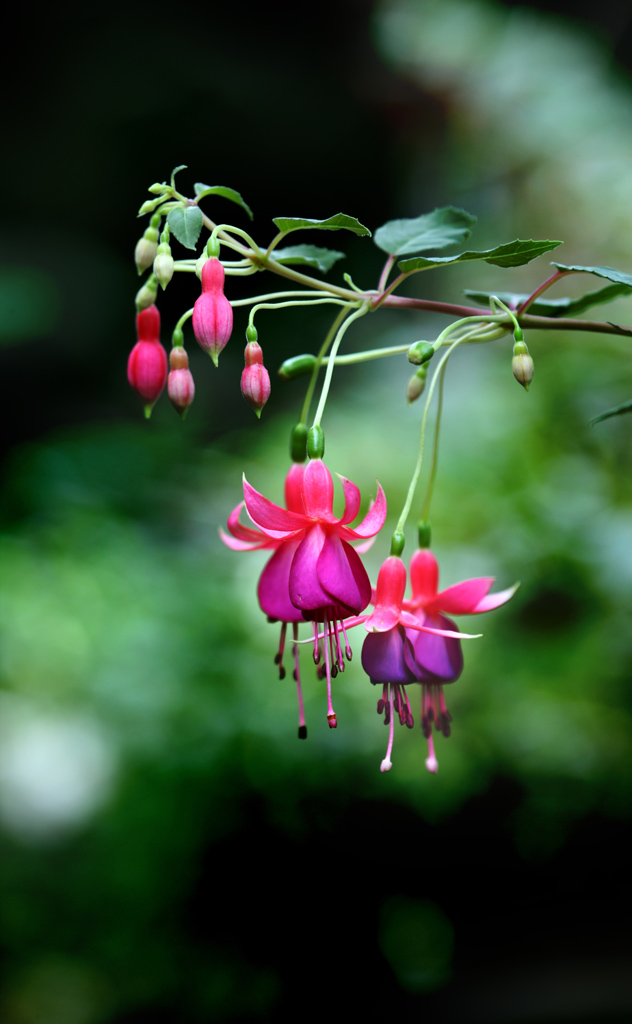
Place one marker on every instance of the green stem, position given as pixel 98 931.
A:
pixel 364 308
pixel 231 230
pixel 283 305
pixel 183 319
pixel 319 359
pixel 272 295
pixel 425 512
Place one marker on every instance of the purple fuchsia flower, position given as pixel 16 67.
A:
pixel 327 581
pixel 388 655
pixel 273 588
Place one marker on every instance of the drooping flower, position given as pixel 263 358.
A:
pixel 438 658
pixel 180 385
pixel 255 379
pixel 388 651
pixel 273 587
pixel 327 581
pixel 147 363
pixel 212 312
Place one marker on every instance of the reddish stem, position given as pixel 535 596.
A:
pixel 543 287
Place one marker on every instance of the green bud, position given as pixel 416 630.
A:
pixel 316 442
pixel 146 296
pixel 518 334
pixel 522 364
pixel 251 333
pixel 163 263
pixel 298 443
pixel 420 352
pixel 212 248
pixel 158 189
pixel 146 249
pixel 148 207
pixel 423 533
pixel 397 543
pixel 297 366
pixel 177 338
pixel 416 384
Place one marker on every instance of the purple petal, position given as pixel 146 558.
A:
pixel 273 589
pixel 342 575
pixel 372 522
pixel 384 657
pixel 352 500
pixel 276 521
pixel 438 658
pixel 462 598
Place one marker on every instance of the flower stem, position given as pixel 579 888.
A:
pixel 364 308
pixel 282 305
pixel 319 359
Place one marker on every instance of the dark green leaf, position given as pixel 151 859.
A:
pixel 309 256
pixel 222 190
pixel 608 272
pixel 619 410
pixel 180 167
pixel 554 307
pixel 335 223
pixel 512 254
pixel 444 226
pixel 186 224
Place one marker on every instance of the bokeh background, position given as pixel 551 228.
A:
pixel 169 851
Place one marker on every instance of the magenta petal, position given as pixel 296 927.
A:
pixel 419 623
pixel 273 589
pixel 495 600
pixel 276 521
pixel 462 598
pixel 342 575
pixel 352 500
pixel 243 545
pixel 318 491
pixel 305 589
pixel 384 657
pixel 373 520
pixel 438 658
pixel 243 532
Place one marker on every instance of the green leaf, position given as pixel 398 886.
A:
pixel 619 410
pixel 308 256
pixel 608 272
pixel 186 224
pixel 554 307
pixel 335 223
pixel 180 167
pixel 222 190
pixel 444 226
pixel 512 254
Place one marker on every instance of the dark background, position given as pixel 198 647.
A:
pixel 167 854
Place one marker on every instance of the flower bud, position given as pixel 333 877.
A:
pixel 522 364
pixel 297 366
pixel 212 312
pixel 416 384
pixel 147 363
pixel 146 249
pixel 163 264
pixel 180 386
pixel 255 380
pixel 316 442
pixel 298 443
pixel 146 296
pixel 420 352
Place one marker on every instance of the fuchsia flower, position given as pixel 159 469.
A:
pixel 255 379
pixel 412 642
pixel 212 312
pixel 273 588
pixel 326 581
pixel 147 363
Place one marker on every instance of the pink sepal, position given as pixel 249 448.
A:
pixel 410 622
pixel 495 600
pixel 372 522
pixel 352 500
pixel 424 575
pixel 318 492
pixel 272 519
pixel 461 598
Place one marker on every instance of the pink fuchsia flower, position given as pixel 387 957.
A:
pixel 438 658
pixel 255 379
pixel 180 386
pixel 212 312
pixel 147 363
pixel 327 581
pixel 388 653
pixel 273 587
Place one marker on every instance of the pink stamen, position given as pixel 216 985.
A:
pixel 387 764
pixel 331 714
pixel 431 761
pixel 348 651
pixel 302 728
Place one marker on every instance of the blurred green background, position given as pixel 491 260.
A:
pixel 169 851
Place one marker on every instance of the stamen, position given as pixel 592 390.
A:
pixel 431 762
pixel 331 714
pixel 278 657
pixel 316 643
pixel 409 715
pixel 302 728
pixel 387 764
pixel 348 651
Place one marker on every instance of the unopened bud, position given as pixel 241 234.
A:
pixel 255 379
pixel 298 443
pixel 522 364
pixel 316 442
pixel 147 363
pixel 424 533
pixel 297 366
pixel 180 386
pixel 416 384
pixel 251 333
pixel 163 264
pixel 146 249
pixel 420 352
pixel 212 312
pixel 146 296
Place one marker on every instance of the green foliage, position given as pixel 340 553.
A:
pixel 202 190
pixel 335 223
pixel 619 410
pixel 445 226
pixel 308 256
pixel 608 272
pixel 554 307
pixel 186 223
pixel 511 254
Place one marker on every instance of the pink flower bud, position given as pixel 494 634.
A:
pixel 255 379
pixel 147 363
pixel 180 386
pixel 212 312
